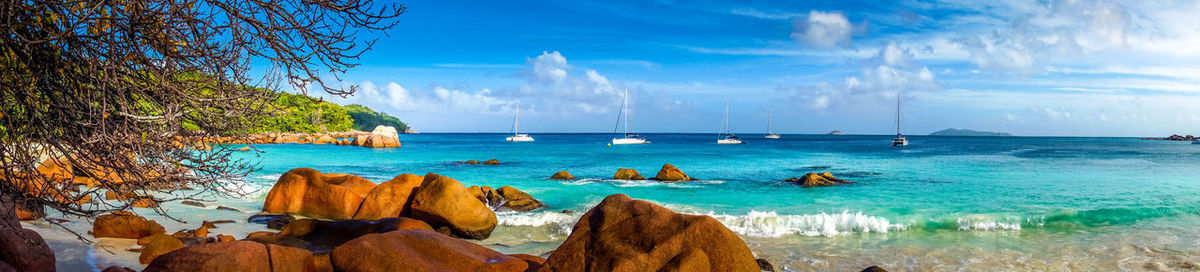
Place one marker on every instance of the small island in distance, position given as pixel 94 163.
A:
pixel 969 132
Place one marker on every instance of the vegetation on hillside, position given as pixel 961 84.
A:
pixel 366 119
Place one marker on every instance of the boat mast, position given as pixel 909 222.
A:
pixel 625 110
pixel 898 94
pixel 725 118
pixel 516 118
pixel 769 130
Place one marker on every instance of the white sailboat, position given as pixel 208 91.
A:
pixel 770 132
pixel 725 137
pixel 517 136
pixel 626 138
pixel 899 140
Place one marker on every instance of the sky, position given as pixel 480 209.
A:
pixel 1031 68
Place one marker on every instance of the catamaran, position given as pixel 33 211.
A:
pixel 728 138
pixel 770 132
pixel 627 138
pixel 517 136
pixel 899 140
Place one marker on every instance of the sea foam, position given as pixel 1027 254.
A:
pixel 770 224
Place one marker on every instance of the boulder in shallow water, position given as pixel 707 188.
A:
pixel 487 195
pixel 469 162
pixel 764 265
pixel 491 162
pixel 157 245
pixel 420 250
pixel 312 193
pixel 562 175
pixel 444 202
pixel 122 224
pixel 238 256
pixel 389 199
pixel 21 249
pixel 623 234
pixel 818 180
pixel 380 141
pixel 671 173
pixel 519 201
pixel 629 174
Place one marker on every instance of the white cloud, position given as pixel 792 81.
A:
pixel 439 99
pixel 549 67
pixel 823 30
pixel 891 71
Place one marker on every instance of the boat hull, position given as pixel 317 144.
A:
pixel 519 138
pixel 771 136
pixel 729 141
pixel 899 141
pixel 624 141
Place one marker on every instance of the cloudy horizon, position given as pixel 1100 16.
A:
pixel 1031 68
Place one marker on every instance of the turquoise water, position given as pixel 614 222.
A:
pixel 942 203
pixel 1011 195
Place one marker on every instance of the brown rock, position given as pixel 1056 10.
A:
pixel 224 208
pixel 260 234
pixel 21 249
pixel 192 203
pixel 207 224
pixel 244 148
pixel 420 250
pixel 491 162
pixel 444 202
pixel 311 193
pixel 118 269
pixel 470 162
pixel 764 265
pixel 622 234
pixel 223 221
pixel 324 139
pixel 321 236
pixel 517 200
pixel 225 238
pixel 533 261
pixel 121 224
pixel 389 199
pixel 817 180
pixel 487 195
pixel 671 173
pixel 874 268
pixel 562 175
pixel 238 256
pixel 157 245
pixel 273 221
pixel 629 174
pixel 145 202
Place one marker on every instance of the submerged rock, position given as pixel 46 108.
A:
pixel 671 173
pixel 491 162
pixel 764 265
pixel 629 174
pixel 444 202
pixel 234 256
pixel 315 194
pixel 273 221
pixel 420 250
pixel 874 268
pixel 192 203
pixel 562 175
pixel 818 180
pixel 122 224
pixel 623 234
pixel 389 199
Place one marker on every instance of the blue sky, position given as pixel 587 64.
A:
pixel 1086 68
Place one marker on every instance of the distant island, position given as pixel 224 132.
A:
pixel 1174 137
pixel 968 132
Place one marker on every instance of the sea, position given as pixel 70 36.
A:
pixel 938 204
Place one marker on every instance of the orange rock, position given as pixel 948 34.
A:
pixel 145 202
pixel 671 173
pixel 234 256
pixel 420 250
pixel 629 174
pixel 121 224
pixel 517 200
pixel 244 148
pixel 311 193
pixel 380 141
pixel 324 139
pixel 623 234
pixel 562 175
pixel 491 162
pixel 444 202
pixel 157 245
pixel 225 238
pixel 389 199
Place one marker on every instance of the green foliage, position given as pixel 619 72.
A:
pixel 299 113
pixel 366 119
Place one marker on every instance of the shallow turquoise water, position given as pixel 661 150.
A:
pixel 942 203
